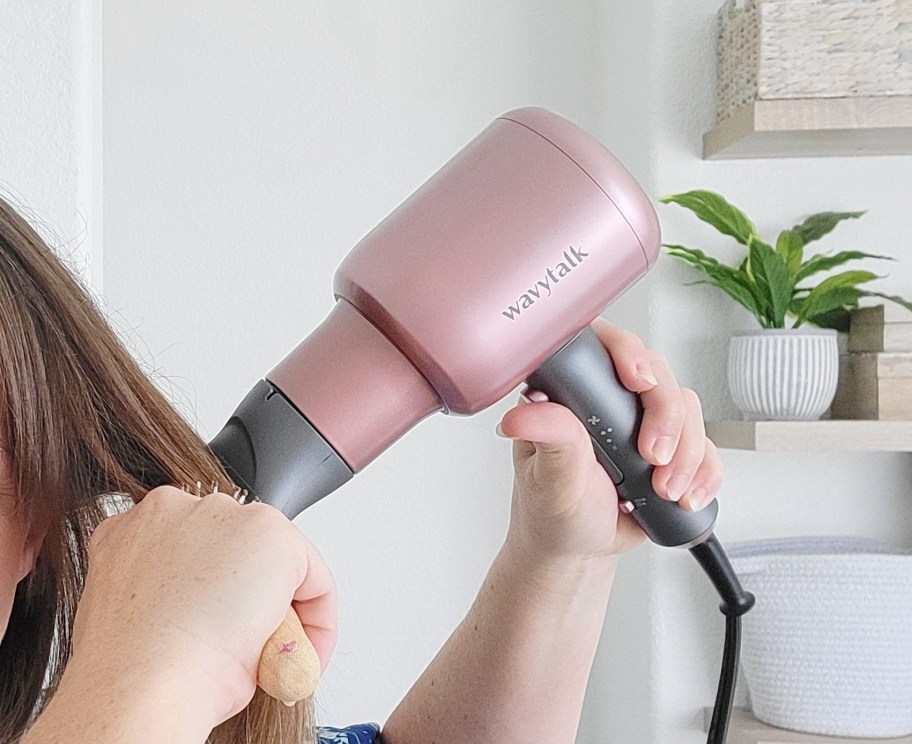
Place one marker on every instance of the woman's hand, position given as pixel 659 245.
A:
pixel 189 589
pixel 564 503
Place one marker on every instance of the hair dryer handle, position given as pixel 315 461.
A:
pixel 582 377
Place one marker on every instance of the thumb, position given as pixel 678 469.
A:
pixel 550 430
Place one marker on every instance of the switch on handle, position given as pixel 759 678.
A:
pixel 582 377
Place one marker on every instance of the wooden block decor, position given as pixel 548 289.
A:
pixel 874 386
pixel 883 328
pixel 881 314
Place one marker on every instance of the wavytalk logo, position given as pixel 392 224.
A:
pixel 572 258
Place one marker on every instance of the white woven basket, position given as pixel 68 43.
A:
pixel 772 49
pixel 828 649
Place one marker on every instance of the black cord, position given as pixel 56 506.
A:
pixel 735 602
pixel 725 695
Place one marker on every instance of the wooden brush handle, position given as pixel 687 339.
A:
pixel 289 667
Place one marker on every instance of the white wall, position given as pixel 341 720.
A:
pixel 49 133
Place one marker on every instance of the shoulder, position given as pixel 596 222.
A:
pixel 367 733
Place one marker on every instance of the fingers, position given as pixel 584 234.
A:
pixel 706 481
pixel 672 435
pixel 631 358
pixel 314 599
pixel 316 603
pixel 664 414
pixel 675 479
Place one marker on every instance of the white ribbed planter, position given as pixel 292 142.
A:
pixel 783 374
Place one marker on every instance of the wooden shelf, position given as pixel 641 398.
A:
pixel 803 127
pixel 811 436
pixel 745 729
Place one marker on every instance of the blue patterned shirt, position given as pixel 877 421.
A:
pixel 364 734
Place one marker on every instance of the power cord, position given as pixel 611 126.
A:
pixel 735 602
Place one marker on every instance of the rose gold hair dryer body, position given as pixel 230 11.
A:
pixel 494 264
pixel 485 277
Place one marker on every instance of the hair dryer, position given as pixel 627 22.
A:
pixel 488 275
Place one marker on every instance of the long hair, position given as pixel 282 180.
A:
pixel 83 423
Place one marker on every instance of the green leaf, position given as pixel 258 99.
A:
pixel 818 225
pixel 732 281
pixel 790 246
pixel 832 293
pixel 844 279
pixel 838 320
pixel 773 280
pixel 893 298
pixel 822 303
pixel 822 262
pixel 709 265
pixel 797 302
pixel 714 209
pixel 737 292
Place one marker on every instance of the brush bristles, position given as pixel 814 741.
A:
pixel 240 494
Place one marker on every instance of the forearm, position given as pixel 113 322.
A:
pixel 518 665
pixel 97 704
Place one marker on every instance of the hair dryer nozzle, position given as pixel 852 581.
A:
pixel 273 452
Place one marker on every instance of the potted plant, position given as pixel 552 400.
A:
pixel 788 368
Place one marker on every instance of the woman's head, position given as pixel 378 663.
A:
pixel 79 421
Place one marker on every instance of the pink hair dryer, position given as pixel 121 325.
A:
pixel 485 277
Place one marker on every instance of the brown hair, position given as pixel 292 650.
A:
pixel 81 422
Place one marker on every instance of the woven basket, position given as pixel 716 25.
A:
pixel 771 49
pixel 827 649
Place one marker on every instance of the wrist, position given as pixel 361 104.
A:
pixel 525 546
pixel 562 577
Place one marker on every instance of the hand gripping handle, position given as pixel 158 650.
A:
pixel 582 377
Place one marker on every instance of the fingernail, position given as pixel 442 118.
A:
pixel 500 432
pixel 676 486
pixel 536 396
pixel 644 372
pixel 694 500
pixel 663 448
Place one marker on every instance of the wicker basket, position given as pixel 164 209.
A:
pixel 771 49
pixel 827 649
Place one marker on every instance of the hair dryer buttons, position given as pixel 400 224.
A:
pixel 614 472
